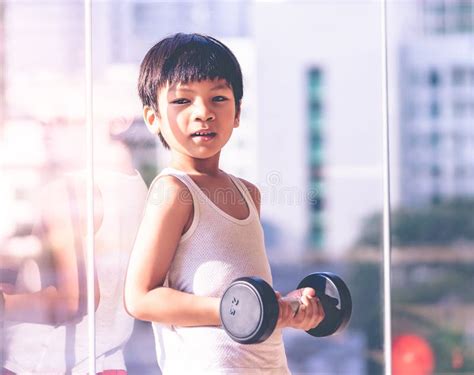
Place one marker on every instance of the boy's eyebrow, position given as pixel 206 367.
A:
pixel 220 87
pixel 215 88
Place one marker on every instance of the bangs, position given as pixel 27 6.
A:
pixel 199 61
pixel 184 58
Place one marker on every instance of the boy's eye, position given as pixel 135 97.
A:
pixel 180 101
pixel 219 98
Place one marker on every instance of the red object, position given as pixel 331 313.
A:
pixel 412 355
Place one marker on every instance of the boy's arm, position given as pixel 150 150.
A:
pixel 254 192
pixel 167 211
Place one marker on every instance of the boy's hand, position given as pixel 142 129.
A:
pixel 309 314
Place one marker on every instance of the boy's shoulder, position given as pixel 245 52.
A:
pixel 250 186
pixel 254 192
pixel 166 181
pixel 169 188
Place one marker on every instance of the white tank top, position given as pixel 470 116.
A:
pixel 45 349
pixel 213 252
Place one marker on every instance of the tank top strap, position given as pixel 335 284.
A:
pixel 203 203
pixel 245 193
pixel 185 179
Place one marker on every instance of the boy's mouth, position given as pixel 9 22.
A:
pixel 203 134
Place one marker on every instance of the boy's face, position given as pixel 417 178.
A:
pixel 207 106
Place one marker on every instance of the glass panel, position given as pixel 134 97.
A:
pixel 432 186
pixel 320 152
pixel 125 161
pixel 128 157
pixel 309 138
pixel 42 189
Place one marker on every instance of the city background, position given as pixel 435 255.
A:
pixel 310 138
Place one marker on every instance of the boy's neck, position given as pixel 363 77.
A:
pixel 201 167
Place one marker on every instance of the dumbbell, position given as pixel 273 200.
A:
pixel 249 307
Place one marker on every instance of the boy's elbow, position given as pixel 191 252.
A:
pixel 133 307
pixel 135 310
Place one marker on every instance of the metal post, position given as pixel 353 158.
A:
pixel 90 186
pixel 2 68
pixel 387 326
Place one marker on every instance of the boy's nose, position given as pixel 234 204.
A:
pixel 202 112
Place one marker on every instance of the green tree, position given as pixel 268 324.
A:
pixel 442 224
pixel 429 285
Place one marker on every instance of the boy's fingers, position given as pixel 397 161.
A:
pixel 313 313
pixel 322 313
pixel 319 314
pixel 309 314
pixel 303 313
pixel 308 292
pixel 316 313
pixel 312 310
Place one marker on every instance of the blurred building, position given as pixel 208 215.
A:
pixel 142 24
pixel 319 121
pixel 304 126
pixel 436 96
pixel 44 64
pixel 288 141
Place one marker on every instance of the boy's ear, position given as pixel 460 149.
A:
pixel 237 117
pixel 152 120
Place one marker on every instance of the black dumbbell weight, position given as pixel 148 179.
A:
pixel 335 299
pixel 249 307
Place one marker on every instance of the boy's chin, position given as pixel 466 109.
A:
pixel 205 155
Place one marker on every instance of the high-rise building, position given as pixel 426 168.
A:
pixel 436 71
pixel 319 90
pixel 446 16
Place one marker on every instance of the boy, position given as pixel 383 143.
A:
pixel 192 243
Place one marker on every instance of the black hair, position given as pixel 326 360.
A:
pixel 184 58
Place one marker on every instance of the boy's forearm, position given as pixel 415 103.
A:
pixel 170 306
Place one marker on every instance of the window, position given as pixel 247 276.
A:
pixel 460 108
pixel 434 78
pixel 459 75
pixel 435 171
pixel 316 151
pixel 302 73
pixel 434 110
pixel 435 139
